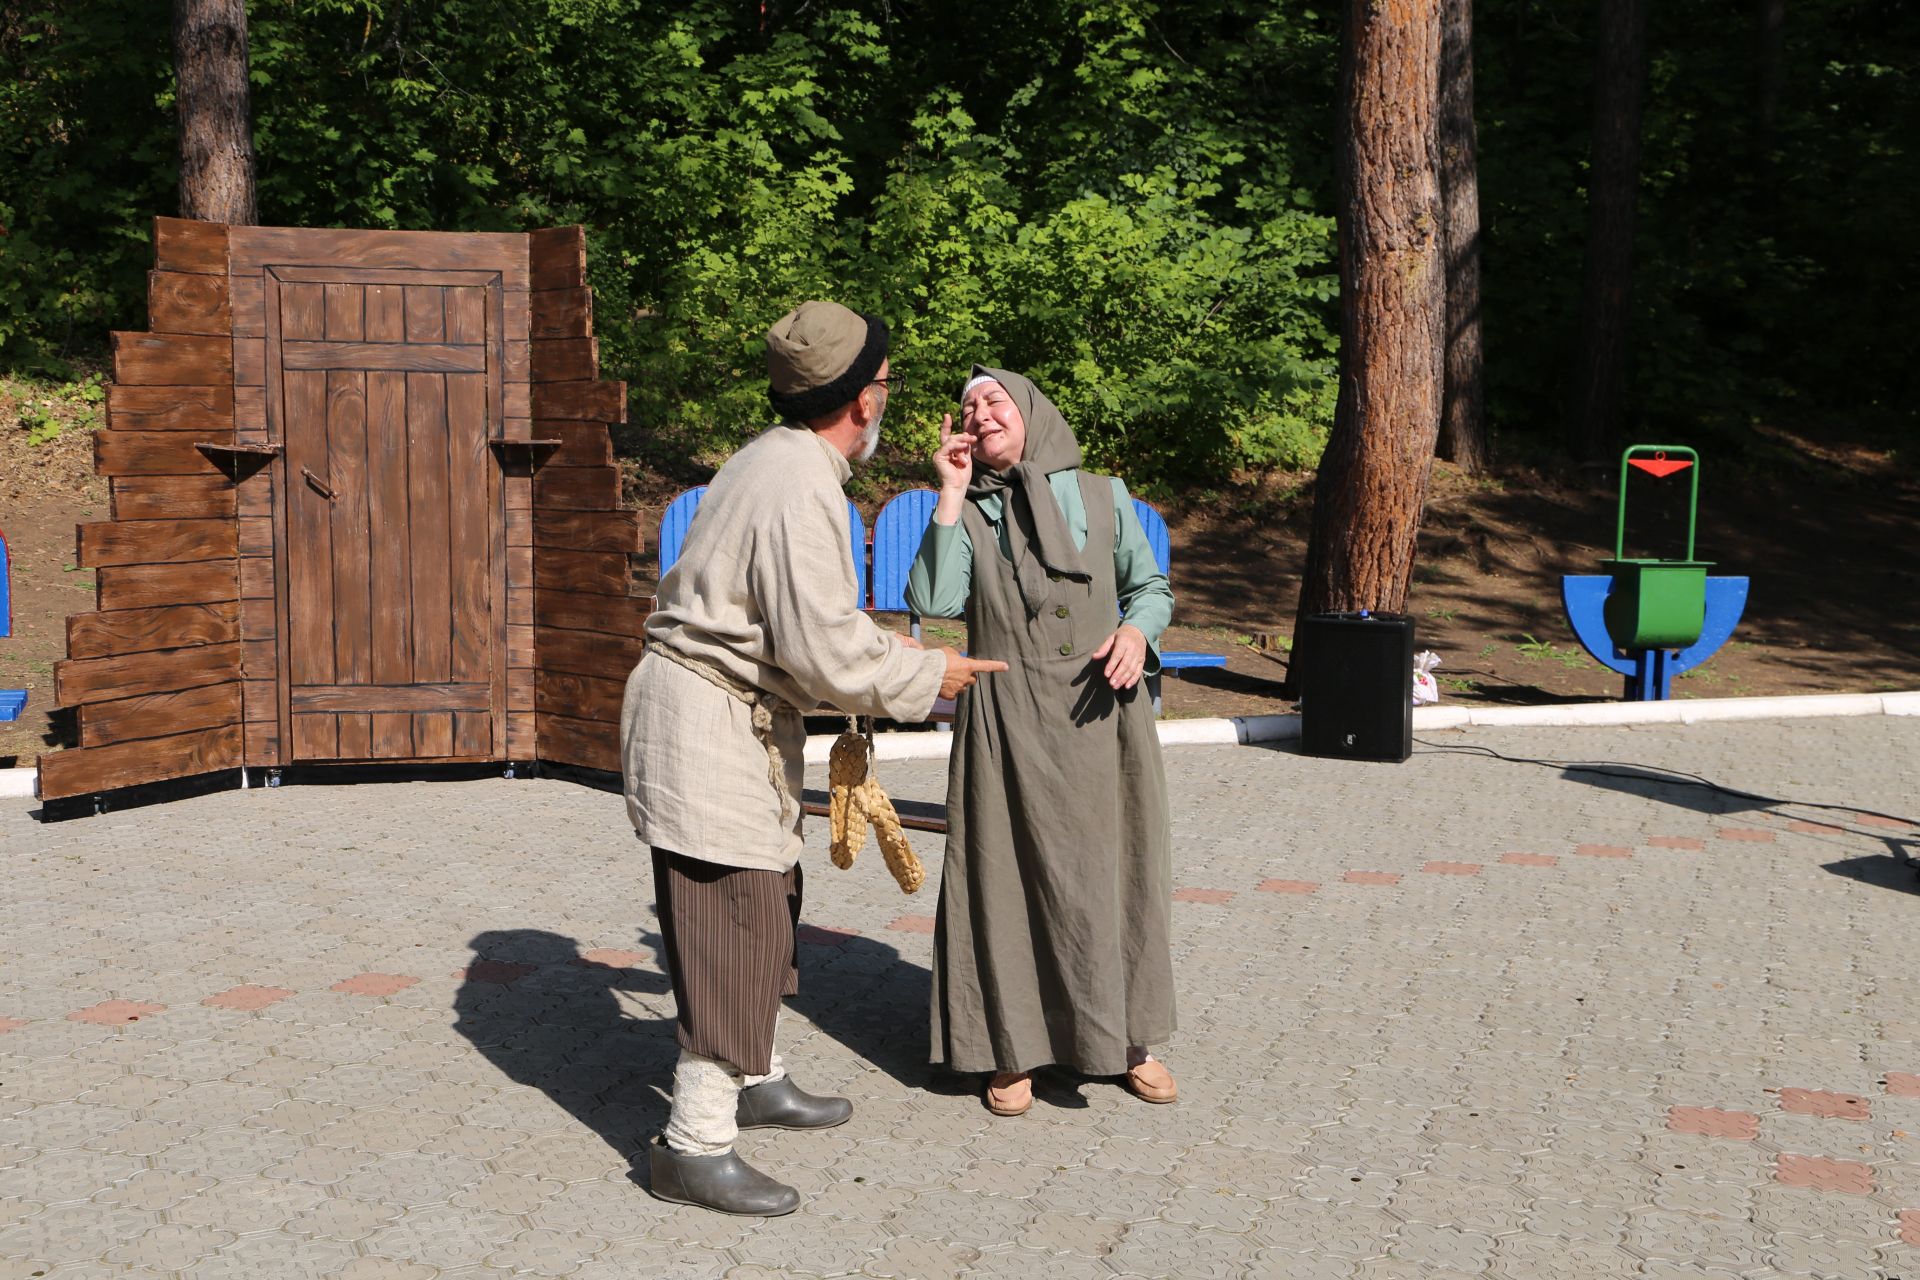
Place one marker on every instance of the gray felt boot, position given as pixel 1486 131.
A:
pixel 782 1104
pixel 724 1182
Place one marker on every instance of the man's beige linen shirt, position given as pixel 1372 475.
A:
pixel 763 590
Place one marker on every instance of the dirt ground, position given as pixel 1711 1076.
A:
pixel 1827 532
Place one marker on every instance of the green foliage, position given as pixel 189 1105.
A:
pixel 87 154
pixel 1102 195
pixel 46 410
pixel 1129 199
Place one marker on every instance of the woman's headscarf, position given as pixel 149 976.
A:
pixel 1037 533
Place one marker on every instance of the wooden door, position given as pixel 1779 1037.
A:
pixel 388 393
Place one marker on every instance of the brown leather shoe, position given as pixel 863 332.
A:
pixel 1010 1093
pixel 1152 1082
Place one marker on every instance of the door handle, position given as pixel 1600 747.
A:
pixel 324 489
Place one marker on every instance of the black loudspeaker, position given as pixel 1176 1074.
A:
pixel 1356 685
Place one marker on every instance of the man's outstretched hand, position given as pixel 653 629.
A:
pixel 962 672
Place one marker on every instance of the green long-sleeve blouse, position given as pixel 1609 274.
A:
pixel 942 573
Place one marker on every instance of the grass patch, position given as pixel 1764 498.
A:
pixel 1535 650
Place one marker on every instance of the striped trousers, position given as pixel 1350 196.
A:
pixel 729 935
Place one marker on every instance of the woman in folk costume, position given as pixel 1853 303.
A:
pixel 1051 946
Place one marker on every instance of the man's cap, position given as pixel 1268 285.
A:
pixel 819 357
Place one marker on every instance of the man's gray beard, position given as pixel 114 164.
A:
pixel 871 440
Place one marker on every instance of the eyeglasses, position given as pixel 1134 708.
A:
pixel 892 382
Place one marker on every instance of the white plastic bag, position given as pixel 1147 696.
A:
pixel 1425 688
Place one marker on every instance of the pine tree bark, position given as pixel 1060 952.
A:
pixel 216 118
pixel 1613 188
pixel 1372 483
pixel 1463 428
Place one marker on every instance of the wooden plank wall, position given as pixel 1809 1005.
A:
pixel 154 672
pixel 583 635
pixel 177 671
pixel 517 481
pixel 257 493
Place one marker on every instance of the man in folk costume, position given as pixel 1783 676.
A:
pixel 1051 945
pixel 755 623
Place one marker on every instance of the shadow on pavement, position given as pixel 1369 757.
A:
pixel 1644 782
pixel 865 995
pixel 1649 783
pixel 599 1040
pixel 548 1017
pixel 1896 871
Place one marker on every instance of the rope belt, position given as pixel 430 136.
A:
pixel 765 707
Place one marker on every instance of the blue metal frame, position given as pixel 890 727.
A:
pixel 1649 672
pixel 12 701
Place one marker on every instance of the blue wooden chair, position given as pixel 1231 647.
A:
pixel 1172 661
pixel 674 522
pixel 897 532
pixel 12 701
pixel 857 545
pixel 678 518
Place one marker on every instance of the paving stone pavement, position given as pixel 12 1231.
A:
pixel 1456 1017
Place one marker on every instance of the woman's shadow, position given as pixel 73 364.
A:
pixel 595 1032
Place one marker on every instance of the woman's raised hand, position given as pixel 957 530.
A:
pixel 953 460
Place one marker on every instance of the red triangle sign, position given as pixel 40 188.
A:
pixel 1661 465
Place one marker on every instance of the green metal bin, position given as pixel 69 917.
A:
pixel 1656 604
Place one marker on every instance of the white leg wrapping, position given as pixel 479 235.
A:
pixel 705 1093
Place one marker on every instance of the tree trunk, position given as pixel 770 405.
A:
pixel 1372 483
pixel 216 120
pixel 1612 190
pixel 1463 428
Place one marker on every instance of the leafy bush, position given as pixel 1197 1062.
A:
pixel 1074 197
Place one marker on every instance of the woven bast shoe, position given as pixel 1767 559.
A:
pixel 1010 1093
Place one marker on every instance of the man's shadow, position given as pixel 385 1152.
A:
pixel 597 1035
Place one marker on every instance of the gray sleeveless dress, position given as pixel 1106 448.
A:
pixel 1051 944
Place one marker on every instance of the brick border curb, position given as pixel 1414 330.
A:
pixel 1258 730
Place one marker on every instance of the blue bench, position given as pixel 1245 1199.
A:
pixel 12 701
pixel 1172 661
pixel 897 532
pixel 901 524
pixel 678 518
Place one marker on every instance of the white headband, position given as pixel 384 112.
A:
pixel 976 381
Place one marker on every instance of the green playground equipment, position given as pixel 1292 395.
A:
pixel 1652 619
pixel 1656 604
